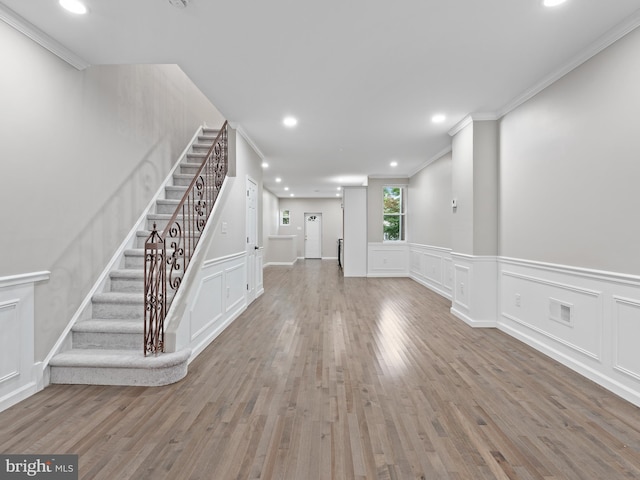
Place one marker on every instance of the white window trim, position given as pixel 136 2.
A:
pixel 403 215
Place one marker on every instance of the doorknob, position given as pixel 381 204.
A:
pixel 256 247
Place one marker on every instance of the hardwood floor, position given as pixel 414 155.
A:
pixel 331 378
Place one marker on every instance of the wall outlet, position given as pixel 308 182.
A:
pixel 517 299
pixel 461 288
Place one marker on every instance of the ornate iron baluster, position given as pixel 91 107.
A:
pixel 155 293
pixel 183 232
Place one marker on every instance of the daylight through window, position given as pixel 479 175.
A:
pixel 393 220
pixel 284 217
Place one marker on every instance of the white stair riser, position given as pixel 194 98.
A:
pixel 118 310
pixel 104 340
pixel 202 147
pixel 208 137
pixel 118 376
pixel 174 193
pixel 182 180
pixel 189 168
pixel 166 208
pixel 130 285
pixel 127 285
pixel 133 261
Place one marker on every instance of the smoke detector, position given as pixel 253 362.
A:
pixel 179 3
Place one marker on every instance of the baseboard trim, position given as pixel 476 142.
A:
pixel 279 264
pixel 473 323
pixel 571 363
pixel 431 287
pixel 16 396
pixel 199 348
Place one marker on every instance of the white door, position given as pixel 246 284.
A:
pixel 312 235
pixel 252 238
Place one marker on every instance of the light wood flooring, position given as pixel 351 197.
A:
pixel 332 378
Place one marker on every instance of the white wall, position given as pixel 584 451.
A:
pixel 485 188
pixel 270 219
pixel 570 167
pixel 82 153
pixel 355 231
pixel 331 211
pixel 564 213
pixel 429 210
pixel 462 191
pixel 569 232
pixel 233 206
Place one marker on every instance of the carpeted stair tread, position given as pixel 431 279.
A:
pixel 98 358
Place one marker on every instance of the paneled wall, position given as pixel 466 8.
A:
pixel 19 373
pixel 587 319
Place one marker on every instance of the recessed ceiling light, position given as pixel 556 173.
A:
pixel 394 164
pixel 291 195
pixel 339 188
pixel 337 194
pixel 438 118
pixel 553 3
pixel 286 189
pixel 290 121
pixel 74 6
pixel 265 165
pixel 278 179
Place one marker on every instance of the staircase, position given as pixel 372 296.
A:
pixel 107 349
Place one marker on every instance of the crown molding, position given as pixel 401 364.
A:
pixel 473 117
pixel 616 33
pixel 460 125
pixel 437 156
pixel 238 128
pixel 382 176
pixel 34 33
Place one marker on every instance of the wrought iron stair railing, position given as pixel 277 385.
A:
pixel 167 255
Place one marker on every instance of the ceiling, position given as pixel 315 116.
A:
pixel 362 77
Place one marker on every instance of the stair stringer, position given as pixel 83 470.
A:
pixel 102 282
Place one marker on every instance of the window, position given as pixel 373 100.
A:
pixel 284 217
pixel 393 218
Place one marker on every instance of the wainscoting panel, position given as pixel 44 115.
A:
pixel 566 314
pixel 207 306
pixel 259 271
pixel 235 281
pixel 474 289
pixel 388 260
pixel 219 297
pixel 462 282
pixel 586 319
pixel 432 267
pixel 626 324
pixel 10 340
pixel 20 375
